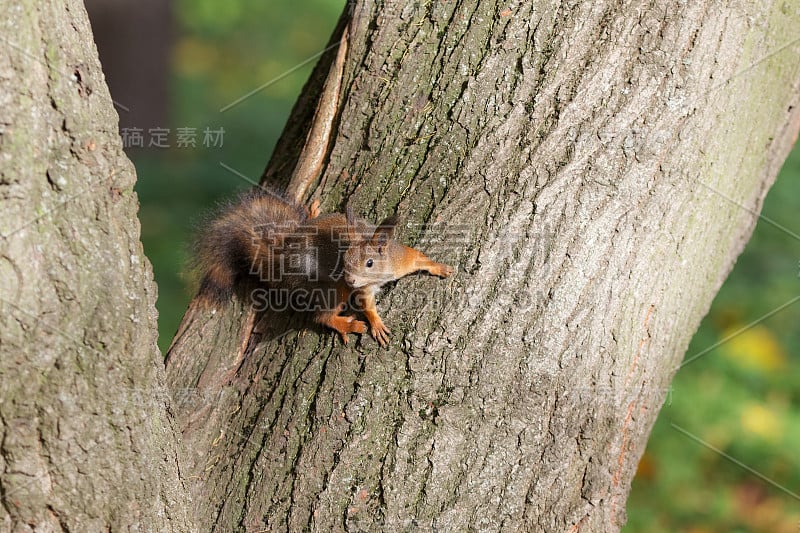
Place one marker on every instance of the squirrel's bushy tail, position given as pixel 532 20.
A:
pixel 239 241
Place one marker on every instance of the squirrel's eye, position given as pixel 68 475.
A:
pixel 369 263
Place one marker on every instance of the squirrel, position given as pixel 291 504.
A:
pixel 286 247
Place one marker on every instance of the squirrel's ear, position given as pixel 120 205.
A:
pixel 384 232
pixel 350 216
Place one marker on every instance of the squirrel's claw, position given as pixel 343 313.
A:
pixel 381 334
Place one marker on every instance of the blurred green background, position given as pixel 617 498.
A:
pixel 740 397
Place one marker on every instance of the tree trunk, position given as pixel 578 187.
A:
pixel 85 440
pixel 593 170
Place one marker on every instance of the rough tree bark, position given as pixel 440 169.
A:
pixel 85 440
pixel 583 164
pixel 593 169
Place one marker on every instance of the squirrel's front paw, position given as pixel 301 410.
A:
pixel 381 334
pixel 356 326
pixel 346 324
pixel 441 270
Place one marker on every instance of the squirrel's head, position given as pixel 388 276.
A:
pixel 368 259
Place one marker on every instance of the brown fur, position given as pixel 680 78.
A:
pixel 239 242
pixel 269 240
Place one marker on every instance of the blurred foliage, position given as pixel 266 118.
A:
pixel 740 397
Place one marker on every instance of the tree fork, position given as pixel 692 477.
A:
pixel 584 166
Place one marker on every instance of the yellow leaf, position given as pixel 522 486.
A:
pixel 755 348
pixel 758 419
